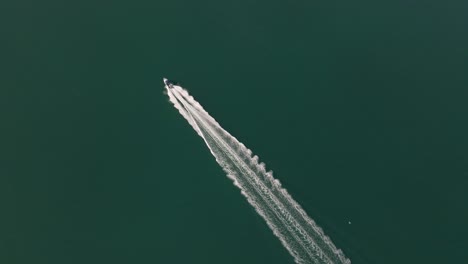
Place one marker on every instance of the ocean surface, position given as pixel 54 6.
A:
pixel 360 109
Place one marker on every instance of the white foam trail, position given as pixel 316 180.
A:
pixel 301 236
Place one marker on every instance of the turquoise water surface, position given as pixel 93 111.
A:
pixel 359 108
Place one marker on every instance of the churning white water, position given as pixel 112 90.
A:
pixel 299 234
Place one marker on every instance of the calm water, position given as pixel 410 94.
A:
pixel 359 108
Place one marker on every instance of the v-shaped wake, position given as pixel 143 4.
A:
pixel 299 234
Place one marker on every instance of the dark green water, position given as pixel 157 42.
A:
pixel 358 107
